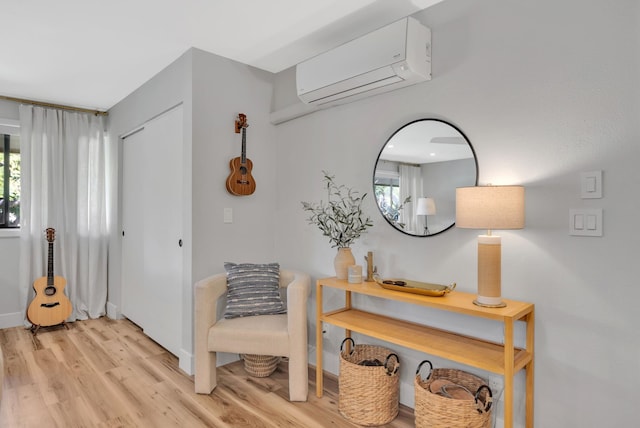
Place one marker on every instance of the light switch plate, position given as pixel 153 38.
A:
pixel 228 215
pixel 585 222
pixel 591 185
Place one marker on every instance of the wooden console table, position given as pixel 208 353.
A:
pixel 505 360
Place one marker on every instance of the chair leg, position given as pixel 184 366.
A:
pixel 205 378
pixel 298 378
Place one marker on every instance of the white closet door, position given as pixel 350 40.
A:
pixel 134 180
pixel 153 206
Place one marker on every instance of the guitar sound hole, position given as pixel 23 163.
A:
pixel 243 170
pixel 50 291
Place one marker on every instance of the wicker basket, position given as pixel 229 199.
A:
pixel 260 365
pixel 368 394
pixel 434 410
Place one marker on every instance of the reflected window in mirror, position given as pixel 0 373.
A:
pixel 417 172
pixel 387 190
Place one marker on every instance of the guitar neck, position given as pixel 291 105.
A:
pixel 244 146
pixel 50 265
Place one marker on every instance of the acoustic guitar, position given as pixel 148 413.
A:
pixel 50 306
pixel 240 182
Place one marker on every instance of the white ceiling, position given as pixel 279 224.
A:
pixel 426 141
pixel 90 53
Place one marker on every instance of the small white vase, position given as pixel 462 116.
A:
pixel 343 260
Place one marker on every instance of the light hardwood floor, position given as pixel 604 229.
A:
pixel 106 373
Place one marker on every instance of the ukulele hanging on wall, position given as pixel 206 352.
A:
pixel 240 182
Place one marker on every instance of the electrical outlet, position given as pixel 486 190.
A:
pixel 496 383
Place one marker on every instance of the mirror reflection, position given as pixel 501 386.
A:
pixel 416 175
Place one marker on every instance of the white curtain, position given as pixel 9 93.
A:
pixel 63 173
pixel 410 185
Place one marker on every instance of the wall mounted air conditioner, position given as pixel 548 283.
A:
pixel 388 58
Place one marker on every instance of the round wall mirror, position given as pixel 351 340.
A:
pixel 416 175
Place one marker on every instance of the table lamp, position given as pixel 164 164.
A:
pixel 490 207
pixel 425 207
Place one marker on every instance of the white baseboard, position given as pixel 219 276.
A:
pixel 185 362
pixel 14 319
pixel 113 312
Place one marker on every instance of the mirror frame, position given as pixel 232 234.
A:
pixel 475 160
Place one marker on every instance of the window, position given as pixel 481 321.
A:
pixel 387 192
pixel 9 181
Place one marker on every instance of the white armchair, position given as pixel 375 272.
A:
pixel 279 335
pixel 1 373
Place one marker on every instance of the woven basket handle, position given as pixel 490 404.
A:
pixel 420 366
pixel 353 345
pixel 488 401
pixel 396 365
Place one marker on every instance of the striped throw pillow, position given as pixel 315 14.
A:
pixel 253 289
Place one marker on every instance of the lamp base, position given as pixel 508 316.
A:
pixel 489 272
pixel 489 305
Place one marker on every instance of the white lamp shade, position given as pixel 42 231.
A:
pixel 426 206
pixel 490 207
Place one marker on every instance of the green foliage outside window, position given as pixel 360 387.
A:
pixel 387 197
pixel 12 219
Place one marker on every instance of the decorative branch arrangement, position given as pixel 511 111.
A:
pixel 341 218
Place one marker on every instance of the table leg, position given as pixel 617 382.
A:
pixel 319 372
pixel 530 320
pixel 347 305
pixel 508 373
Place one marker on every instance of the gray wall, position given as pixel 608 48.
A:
pixel 167 89
pixel 9 110
pixel 439 178
pixel 543 90
pixel 221 89
pixel 213 90
pixel 10 305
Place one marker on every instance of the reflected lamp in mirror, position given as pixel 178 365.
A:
pixel 426 207
pixel 490 207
